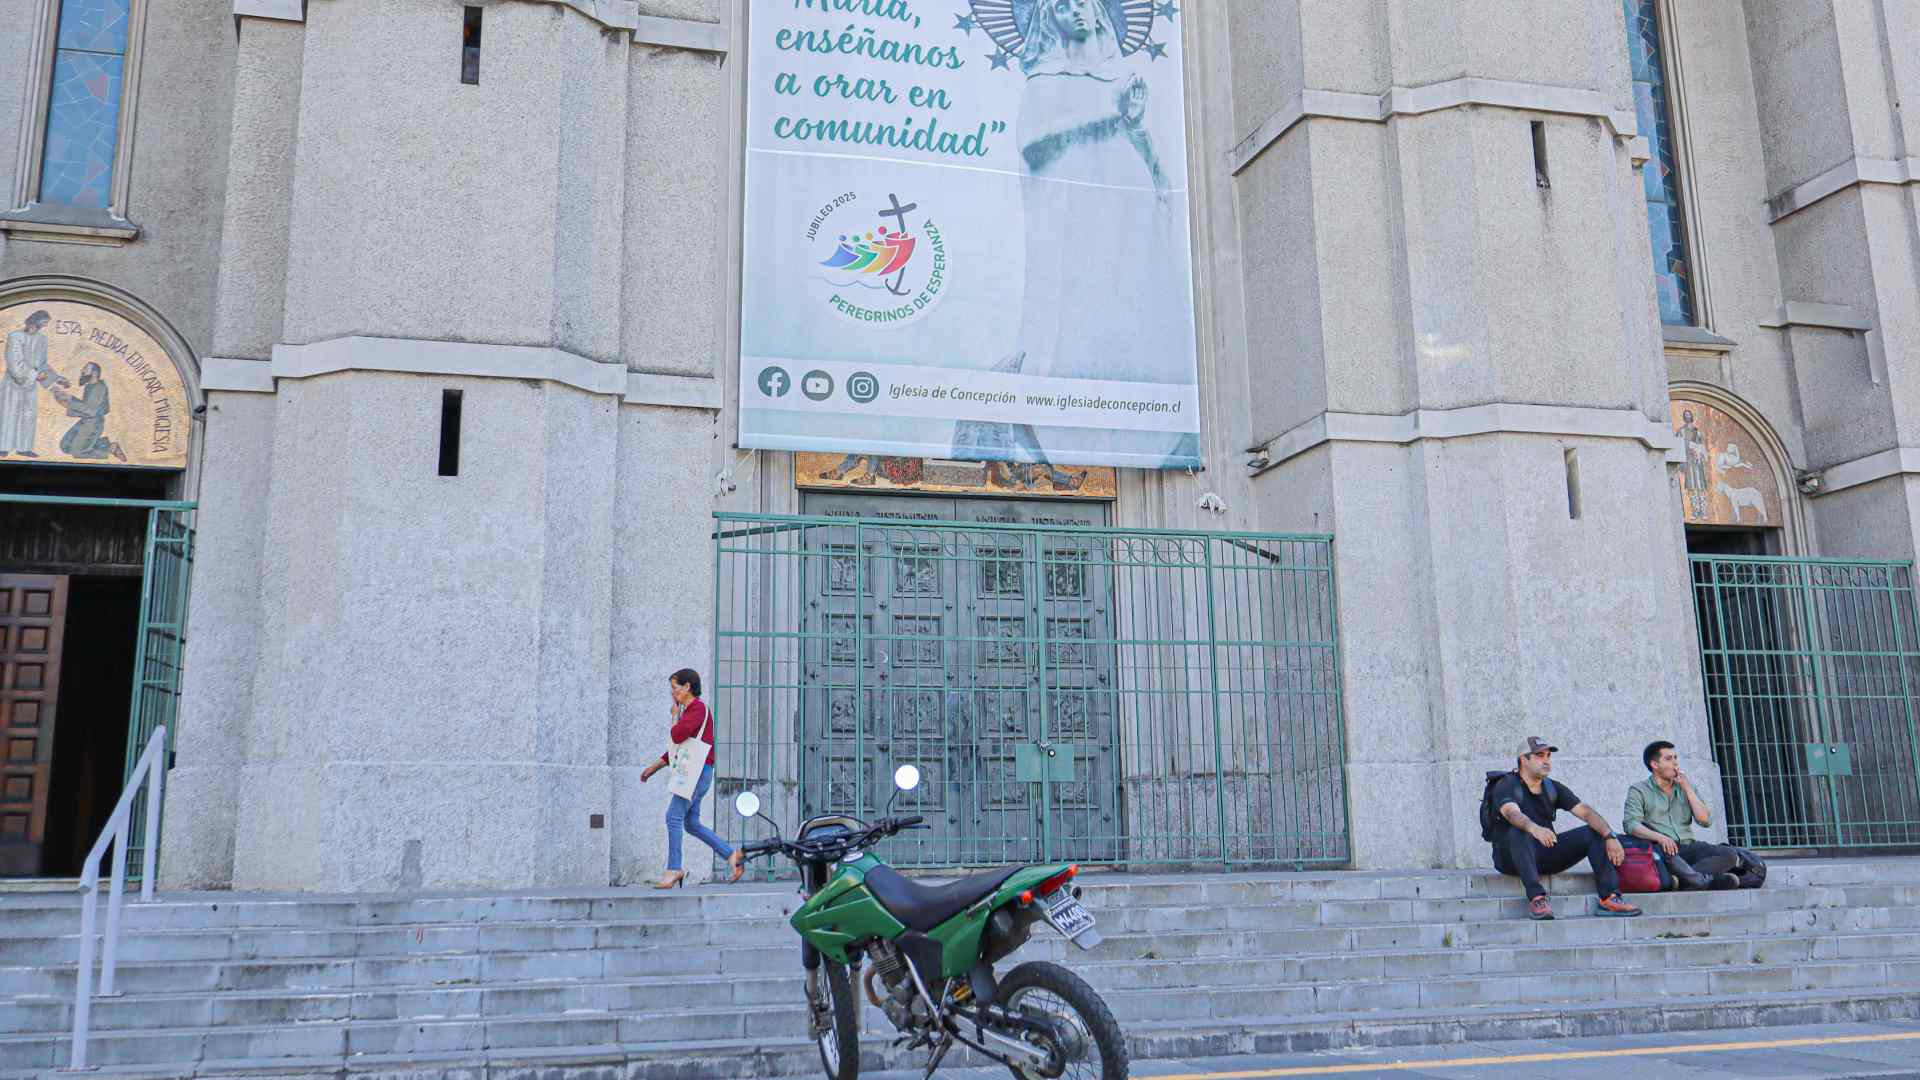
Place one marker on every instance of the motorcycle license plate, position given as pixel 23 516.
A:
pixel 1073 921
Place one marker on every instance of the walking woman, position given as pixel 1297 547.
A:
pixel 691 720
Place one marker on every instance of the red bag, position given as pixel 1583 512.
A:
pixel 1640 871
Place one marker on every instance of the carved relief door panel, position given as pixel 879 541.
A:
pixel 33 613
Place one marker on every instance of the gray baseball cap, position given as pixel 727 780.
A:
pixel 1534 745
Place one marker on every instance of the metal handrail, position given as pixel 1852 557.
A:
pixel 152 771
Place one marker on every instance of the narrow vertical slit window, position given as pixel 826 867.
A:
pixel 449 433
pixel 470 48
pixel 1540 176
pixel 1666 219
pixel 1572 461
pixel 83 103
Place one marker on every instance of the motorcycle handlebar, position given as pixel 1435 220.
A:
pixel 886 825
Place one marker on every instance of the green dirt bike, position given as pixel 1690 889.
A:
pixel 930 951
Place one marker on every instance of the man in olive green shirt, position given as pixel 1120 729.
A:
pixel 1663 809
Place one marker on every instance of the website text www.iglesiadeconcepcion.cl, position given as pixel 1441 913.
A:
pixel 1062 402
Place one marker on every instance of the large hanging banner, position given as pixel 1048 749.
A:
pixel 966 232
pixel 83 386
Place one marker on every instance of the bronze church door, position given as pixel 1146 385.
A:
pixel 974 638
pixel 33 612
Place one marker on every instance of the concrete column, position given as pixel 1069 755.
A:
pixel 430 704
pixel 435 652
pixel 1843 179
pixel 1457 372
pixel 216 695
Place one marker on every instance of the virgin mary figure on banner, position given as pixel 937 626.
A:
pixel 1108 292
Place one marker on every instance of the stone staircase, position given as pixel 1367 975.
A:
pixel 705 983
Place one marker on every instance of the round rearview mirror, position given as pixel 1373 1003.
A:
pixel 747 803
pixel 906 777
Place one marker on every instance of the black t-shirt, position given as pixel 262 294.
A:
pixel 1539 809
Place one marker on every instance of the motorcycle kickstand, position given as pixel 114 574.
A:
pixel 939 1055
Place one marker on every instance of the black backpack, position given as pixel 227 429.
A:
pixel 1492 825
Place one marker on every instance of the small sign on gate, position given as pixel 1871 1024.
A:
pixel 1829 759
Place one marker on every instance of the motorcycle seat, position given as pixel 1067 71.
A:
pixel 923 907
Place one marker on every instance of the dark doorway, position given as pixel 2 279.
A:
pixel 1742 543
pixel 97 555
pixel 96 695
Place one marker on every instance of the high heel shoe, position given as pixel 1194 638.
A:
pixel 739 864
pixel 676 880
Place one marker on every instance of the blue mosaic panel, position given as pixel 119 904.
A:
pixel 83 127
pixel 98 26
pixel 1666 226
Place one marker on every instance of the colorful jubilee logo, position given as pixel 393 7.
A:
pixel 888 269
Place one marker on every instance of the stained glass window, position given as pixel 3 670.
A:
pixel 1666 223
pixel 83 107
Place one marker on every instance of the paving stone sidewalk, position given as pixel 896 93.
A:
pixel 1839 1052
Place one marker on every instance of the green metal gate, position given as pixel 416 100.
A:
pixel 1811 669
pixel 160 653
pixel 1110 696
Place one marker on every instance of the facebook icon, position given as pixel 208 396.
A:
pixel 774 382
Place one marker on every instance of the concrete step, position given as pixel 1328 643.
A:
pixel 1609 941
pixel 435 1047
pixel 1137 992
pixel 1120 918
pixel 776 899
pixel 225 981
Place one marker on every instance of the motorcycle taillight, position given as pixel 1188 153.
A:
pixel 1053 883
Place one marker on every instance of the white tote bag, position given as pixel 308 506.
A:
pixel 689 758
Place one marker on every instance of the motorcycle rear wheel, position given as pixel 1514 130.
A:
pixel 1097 1048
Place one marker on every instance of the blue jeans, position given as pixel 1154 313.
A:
pixel 684 815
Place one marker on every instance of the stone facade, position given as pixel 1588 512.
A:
pixel 1411 324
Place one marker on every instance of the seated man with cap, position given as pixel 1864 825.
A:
pixel 1527 847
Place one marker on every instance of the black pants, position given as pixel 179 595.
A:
pixel 1706 860
pixel 1521 856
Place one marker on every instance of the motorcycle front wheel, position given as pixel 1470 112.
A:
pixel 839 1039
pixel 1091 1045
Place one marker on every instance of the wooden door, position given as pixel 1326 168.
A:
pixel 33 617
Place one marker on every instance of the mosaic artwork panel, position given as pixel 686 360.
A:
pixel 1726 479
pixel 83 129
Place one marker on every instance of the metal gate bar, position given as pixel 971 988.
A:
pixel 1809 669
pixel 1127 697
